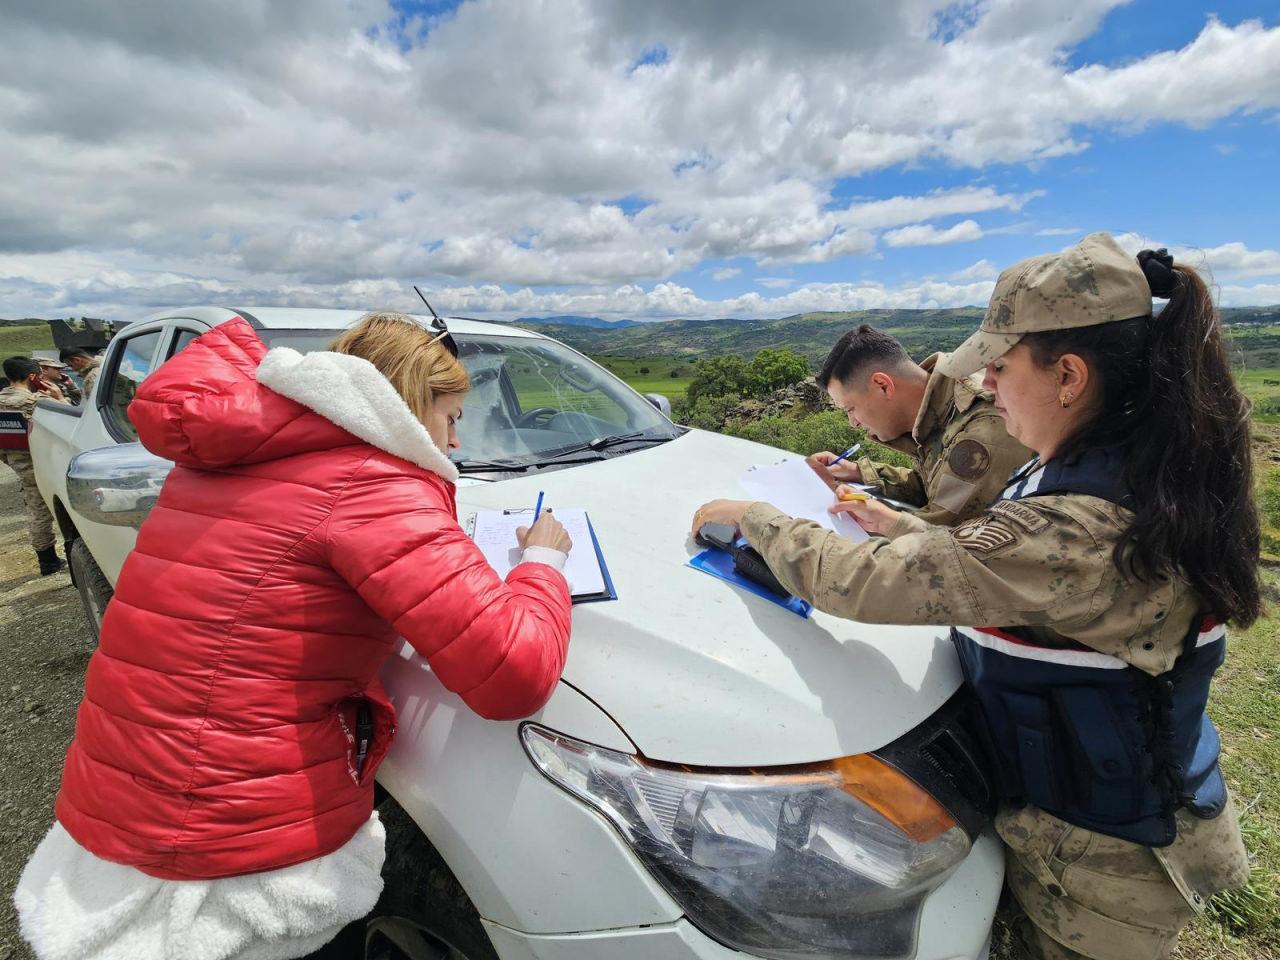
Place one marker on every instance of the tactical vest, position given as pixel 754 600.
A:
pixel 13 431
pixel 1084 735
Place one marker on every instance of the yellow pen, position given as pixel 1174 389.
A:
pixel 847 495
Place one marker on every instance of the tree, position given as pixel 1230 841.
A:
pixel 718 377
pixel 774 368
pixel 644 369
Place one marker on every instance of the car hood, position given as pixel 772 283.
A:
pixel 697 671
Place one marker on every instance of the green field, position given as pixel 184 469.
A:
pixel 20 341
pixel 651 374
pixel 1262 386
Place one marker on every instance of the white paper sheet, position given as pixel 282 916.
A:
pixel 495 534
pixel 795 489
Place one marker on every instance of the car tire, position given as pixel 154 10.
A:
pixel 92 584
pixel 423 913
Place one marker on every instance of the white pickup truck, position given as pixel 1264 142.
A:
pixel 714 776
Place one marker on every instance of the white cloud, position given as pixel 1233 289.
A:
pixel 1259 295
pixel 319 154
pixel 776 283
pixel 725 273
pixel 927 235
pixel 982 270
pixel 1226 261
pixel 1059 232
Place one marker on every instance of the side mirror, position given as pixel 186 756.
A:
pixel 116 486
pixel 661 402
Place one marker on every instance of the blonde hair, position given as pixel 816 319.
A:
pixel 408 355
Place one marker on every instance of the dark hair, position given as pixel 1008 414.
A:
pixel 1169 402
pixel 19 368
pixel 66 353
pixel 859 350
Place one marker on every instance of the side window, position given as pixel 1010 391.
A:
pixel 135 361
pixel 182 341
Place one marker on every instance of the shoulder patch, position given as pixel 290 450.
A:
pixel 1028 518
pixel 969 459
pixel 983 537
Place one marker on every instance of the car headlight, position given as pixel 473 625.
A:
pixel 821 860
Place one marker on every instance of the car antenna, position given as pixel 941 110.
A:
pixel 424 300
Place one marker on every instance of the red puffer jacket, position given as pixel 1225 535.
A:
pixel 295 541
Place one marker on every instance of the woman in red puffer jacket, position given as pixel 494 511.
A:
pixel 215 795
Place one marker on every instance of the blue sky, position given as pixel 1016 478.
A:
pixel 724 158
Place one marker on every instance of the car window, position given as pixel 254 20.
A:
pixel 135 361
pixel 182 341
pixel 532 398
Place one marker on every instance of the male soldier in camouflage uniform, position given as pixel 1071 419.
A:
pixel 55 372
pixel 25 388
pixel 961 451
pixel 83 363
pixel 1091 678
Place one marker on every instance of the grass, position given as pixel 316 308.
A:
pixel 1262 386
pixel 20 341
pixel 651 374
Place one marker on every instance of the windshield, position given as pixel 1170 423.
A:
pixel 530 399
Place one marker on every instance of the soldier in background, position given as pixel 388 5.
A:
pixel 55 372
pixel 26 387
pixel 83 363
pixel 961 452
pixel 1089 605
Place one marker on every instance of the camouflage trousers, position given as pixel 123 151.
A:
pixel 1083 894
pixel 39 520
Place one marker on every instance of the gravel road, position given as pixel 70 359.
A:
pixel 46 646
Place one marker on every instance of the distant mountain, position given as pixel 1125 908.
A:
pixel 569 320
pixel 922 332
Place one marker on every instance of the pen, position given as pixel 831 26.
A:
pixel 538 509
pixel 848 453
pixel 847 495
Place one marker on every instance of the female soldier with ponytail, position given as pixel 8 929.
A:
pixel 1090 603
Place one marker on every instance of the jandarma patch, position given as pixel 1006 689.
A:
pixel 1028 518
pixel 983 537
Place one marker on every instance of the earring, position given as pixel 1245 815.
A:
pixel 1066 401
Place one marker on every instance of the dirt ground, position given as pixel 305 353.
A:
pixel 46 645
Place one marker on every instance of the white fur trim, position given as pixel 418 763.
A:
pixel 73 905
pixel 548 555
pixel 350 392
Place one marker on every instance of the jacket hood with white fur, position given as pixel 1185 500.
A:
pixel 226 400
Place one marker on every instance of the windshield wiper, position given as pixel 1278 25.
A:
pixel 597 445
pixel 600 444
pixel 490 466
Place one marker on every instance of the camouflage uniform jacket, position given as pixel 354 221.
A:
pixel 90 374
pixel 19 400
pixel 1043 563
pixel 962 454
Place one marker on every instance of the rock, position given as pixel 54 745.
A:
pixel 32 706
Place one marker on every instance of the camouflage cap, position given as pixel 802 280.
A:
pixel 1093 282
pixel 50 362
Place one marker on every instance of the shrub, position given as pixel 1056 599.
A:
pixel 718 377
pixel 775 368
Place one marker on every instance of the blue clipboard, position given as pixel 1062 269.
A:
pixel 719 564
pixel 610 592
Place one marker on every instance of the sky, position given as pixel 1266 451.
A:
pixel 622 159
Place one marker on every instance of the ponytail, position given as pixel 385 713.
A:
pixel 1170 403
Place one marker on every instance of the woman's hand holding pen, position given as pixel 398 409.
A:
pixel 872 515
pixel 546 531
